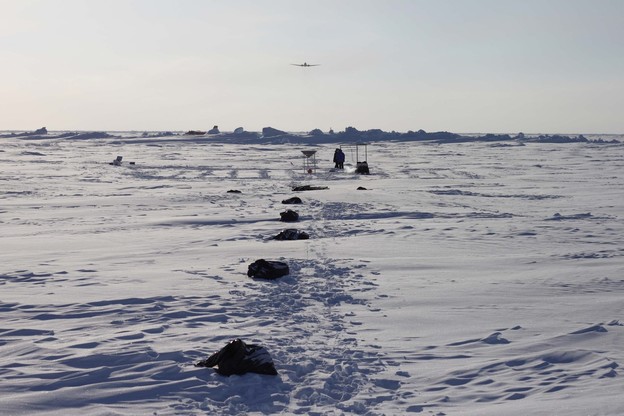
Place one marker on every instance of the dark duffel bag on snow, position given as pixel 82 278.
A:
pixel 362 168
pixel 289 216
pixel 267 269
pixel 292 234
pixel 240 358
pixel 293 200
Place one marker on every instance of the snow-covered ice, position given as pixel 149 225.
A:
pixel 467 279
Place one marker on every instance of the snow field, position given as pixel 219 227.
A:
pixel 466 279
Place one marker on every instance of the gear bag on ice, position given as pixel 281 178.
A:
pixel 292 234
pixel 289 216
pixel 240 358
pixel 267 269
pixel 293 200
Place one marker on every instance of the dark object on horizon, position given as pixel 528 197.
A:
pixel 39 132
pixel 308 188
pixel 362 168
pixel 214 130
pixel 267 269
pixel 361 188
pixel 271 132
pixel 240 358
pixel 289 216
pixel 234 191
pixel 292 234
pixel 293 200
pixel 116 162
pixel 195 133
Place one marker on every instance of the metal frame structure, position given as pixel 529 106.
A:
pixel 356 147
pixel 309 161
pixel 361 166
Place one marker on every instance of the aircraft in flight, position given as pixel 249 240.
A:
pixel 306 65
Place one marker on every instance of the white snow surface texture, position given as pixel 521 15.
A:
pixel 466 279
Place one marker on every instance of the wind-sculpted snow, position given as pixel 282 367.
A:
pixel 474 278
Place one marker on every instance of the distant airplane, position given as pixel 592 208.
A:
pixel 305 64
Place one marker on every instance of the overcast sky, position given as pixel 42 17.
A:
pixel 549 66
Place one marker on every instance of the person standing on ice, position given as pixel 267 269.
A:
pixel 339 158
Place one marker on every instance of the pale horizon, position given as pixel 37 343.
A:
pixel 483 66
